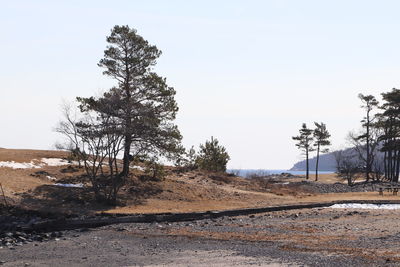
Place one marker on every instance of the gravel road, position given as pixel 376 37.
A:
pixel 309 237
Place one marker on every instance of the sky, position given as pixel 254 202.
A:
pixel 248 73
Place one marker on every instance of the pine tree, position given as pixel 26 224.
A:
pixel 369 103
pixel 305 141
pixel 321 136
pixel 212 156
pixel 142 102
pixel 389 123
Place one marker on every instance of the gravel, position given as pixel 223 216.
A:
pixel 309 237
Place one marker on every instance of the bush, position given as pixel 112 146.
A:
pixel 212 156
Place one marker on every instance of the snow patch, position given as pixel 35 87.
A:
pixel 51 178
pixel 138 168
pixel 56 162
pixel 35 164
pixel 18 165
pixel 366 206
pixel 70 185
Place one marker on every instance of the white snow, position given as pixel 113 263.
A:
pixel 36 164
pixel 18 165
pixel 366 206
pixel 51 178
pixel 55 161
pixel 70 185
pixel 138 168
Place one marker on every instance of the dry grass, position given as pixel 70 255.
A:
pixel 178 192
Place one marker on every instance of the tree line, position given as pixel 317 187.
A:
pixel 375 148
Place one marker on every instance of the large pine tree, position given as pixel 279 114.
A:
pixel 141 101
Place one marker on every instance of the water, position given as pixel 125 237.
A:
pixel 262 172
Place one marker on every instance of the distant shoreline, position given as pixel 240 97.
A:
pixel 262 172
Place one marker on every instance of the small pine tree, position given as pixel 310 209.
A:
pixel 321 136
pixel 212 156
pixel 305 141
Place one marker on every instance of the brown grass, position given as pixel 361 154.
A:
pixel 178 192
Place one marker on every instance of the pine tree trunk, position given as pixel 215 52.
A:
pixel 385 164
pixel 126 159
pixel 367 171
pixel 316 165
pixel 307 167
pixel 397 167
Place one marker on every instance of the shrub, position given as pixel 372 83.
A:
pixel 212 156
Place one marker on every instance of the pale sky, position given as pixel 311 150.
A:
pixel 246 72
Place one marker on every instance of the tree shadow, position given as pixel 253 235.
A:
pixel 81 201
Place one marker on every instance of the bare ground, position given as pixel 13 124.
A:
pixel 310 237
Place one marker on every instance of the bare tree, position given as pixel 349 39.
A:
pixel 366 153
pixel 68 128
pixel 347 166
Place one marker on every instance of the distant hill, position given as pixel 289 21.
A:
pixel 326 163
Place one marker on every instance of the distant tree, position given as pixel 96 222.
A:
pixel 369 102
pixel 321 136
pixel 304 143
pixel 212 156
pixel 389 123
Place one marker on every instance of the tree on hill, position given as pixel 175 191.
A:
pixel 321 136
pixel 134 117
pixel 304 143
pixel 212 156
pixel 141 102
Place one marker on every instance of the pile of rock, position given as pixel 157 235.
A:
pixel 314 187
pixel 12 240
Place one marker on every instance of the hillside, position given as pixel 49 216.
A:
pixel 30 180
pixel 46 181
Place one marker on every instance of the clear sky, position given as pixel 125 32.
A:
pixel 246 72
